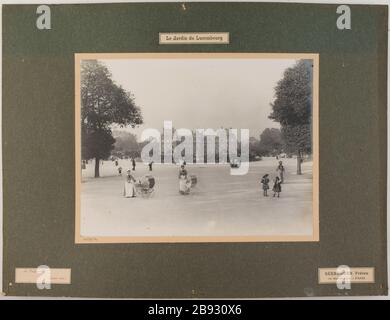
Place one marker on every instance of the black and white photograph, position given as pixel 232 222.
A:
pixel 170 151
pixel 196 147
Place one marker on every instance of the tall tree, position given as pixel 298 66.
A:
pixel 292 109
pixel 255 149
pixel 126 143
pixel 103 103
pixel 271 141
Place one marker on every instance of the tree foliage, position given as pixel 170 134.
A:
pixel 292 108
pixel 126 144
pixel 297 139
pixel 103 103
pixel 292 105
pixel 271 141
pixel 97 144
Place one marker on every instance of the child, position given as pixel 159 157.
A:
pixel 277 186
pixel 265 183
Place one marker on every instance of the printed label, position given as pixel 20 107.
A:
pixel 32 275
pixel 194 38
pixel 354 275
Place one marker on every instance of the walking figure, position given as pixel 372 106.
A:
pixel 184 182
pixel 129 188
pixel 265 183
pixel 277 189
pixel 133 163
pixel 150 164
pixel 120 171
pixel 280 170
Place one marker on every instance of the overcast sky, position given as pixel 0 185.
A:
pixel 202 93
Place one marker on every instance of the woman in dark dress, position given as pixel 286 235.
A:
pixel 277 189
pixel 184 183
pixel 265 183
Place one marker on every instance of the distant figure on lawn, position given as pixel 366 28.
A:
pixel 184 182
pixel 129 189
pixel 277 189
pixel 280 170
pixel 120 171
pixel 133 163
pixel 150 164
pixel 182 162
pixel 265 183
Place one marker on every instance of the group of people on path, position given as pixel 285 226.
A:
pixel 133 164
pixel 186 182
pixel 279 179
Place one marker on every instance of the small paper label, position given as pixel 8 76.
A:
pixel 33 275
pixel 194 38
pixel 354 275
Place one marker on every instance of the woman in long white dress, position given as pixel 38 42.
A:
pixel 184 182
pixel 129 188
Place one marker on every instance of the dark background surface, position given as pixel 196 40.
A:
pixel 38 150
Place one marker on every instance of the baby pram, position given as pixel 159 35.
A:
pixel 186 184
pixel 194 180
pixel 235 162
pixel 145 186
